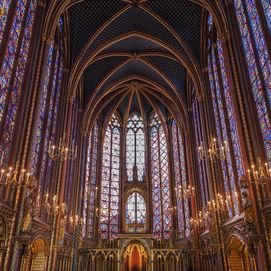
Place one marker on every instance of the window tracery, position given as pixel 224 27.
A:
pixel 198 131
pixel 135 148
pixel 179 160
pixel 109 211
pixel 225 121
pixel 162 219
pixel 90 183
pixel 136 213
pixel 258 62
pixel 12 73
pixel 48 114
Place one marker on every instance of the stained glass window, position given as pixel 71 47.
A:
pixel 135 148
pixel 135 213
pixel 90 191
pixel 225 122
pixel 267 10
pixel 199 139
pixel 109 211
pixel 71 170
pixel 48 114
pixel 41 115
pixel 5 6
pixel 183 211
pixel 258 62
pixel 12 72
pixel 48 106
pixel 162 219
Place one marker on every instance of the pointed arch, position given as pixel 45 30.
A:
pixel 109 210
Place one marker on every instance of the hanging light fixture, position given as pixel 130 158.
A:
pixel 185 192
pixel 62 151
pixel 260 174
pixel 213 151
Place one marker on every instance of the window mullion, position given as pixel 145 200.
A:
pixel 8 26
pixel 160 181
pixel 256 56
pixel 228 132
pixel 14 69
pixel 110 180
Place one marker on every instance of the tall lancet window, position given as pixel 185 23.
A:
pixel 14 55
pixel 109 212
pixel 162 220
pixel 180 172
pixel 258 60
pixel 225 121
pixel 47 114
pixel 202 169
pixel 135 148
pixel 90 191
pixel 135 213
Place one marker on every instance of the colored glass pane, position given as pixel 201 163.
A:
pixel 135 148
pixel 4 6
pixel 183 211
pixel 230 112
pixel 253 70
pixel 135 212
pixel 220 126
pixel 162 220
pixel 15 94
pixel 201 162
pixel 267 10
pixel 10 54
pixel 90 183
pixel 109 211
pixel 41 112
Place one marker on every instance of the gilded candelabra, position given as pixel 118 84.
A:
pixel 185 192
pixel 219 204
pixel 62 151
pixel 197 221
pixel 260 174
pixel 213 151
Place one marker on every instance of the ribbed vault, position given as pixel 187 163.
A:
pixel 117 43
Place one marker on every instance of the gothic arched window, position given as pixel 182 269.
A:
pixel 225 121
pixel 48 112
pixel 109 212
pixel 73 141
pixel 90 183
pixel 258 61
pixel 136 213
pixel 135 148
pixel 14 51
pixel 181 182
pixel 162 219
pixel 202 169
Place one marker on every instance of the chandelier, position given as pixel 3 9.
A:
pixel 9 175
pixel 62 151
pixel 185 192
pixel 214 151
pixel 51 206
pixel 260 174
pixel 75 220
pixel 197 221
pixel 219 204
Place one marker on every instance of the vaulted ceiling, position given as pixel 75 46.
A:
pixel 118 41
